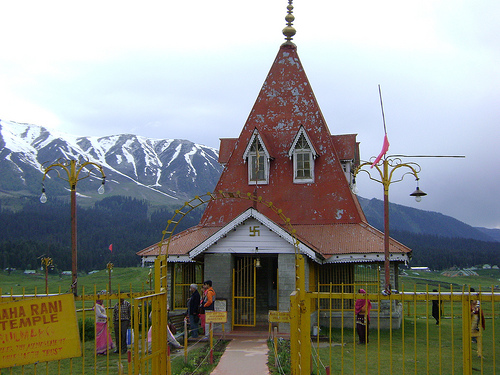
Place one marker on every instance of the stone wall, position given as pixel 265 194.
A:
pixel 219 269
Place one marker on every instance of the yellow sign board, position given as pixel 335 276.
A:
pixel 279 316
pixel 216 316
pixel 38 329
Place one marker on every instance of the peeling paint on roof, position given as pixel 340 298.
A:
pixel 325 213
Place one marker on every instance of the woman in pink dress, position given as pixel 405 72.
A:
pixel 103 341
pixel 362 311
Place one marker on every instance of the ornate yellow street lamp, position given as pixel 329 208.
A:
pixel 386 168
pixel 73 168
pixel 47 263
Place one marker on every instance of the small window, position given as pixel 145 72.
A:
pixel 257 166
pixel 303 161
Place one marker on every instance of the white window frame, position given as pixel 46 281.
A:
pixel 250 155
pixel 295 150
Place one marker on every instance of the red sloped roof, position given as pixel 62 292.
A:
pixel 336 239
pixel 285 103
pixel 327 240
pixel 346 146
pixel 181 243
pixel 225 149
pixel 326 214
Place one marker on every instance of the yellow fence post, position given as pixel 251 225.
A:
pixel 300 322
pixel 294 333
pixel 466 337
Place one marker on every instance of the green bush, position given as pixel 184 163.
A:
pixel 89 333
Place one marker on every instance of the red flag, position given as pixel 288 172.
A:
pixel 111 247
pixel 385 147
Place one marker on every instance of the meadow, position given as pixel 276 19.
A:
pixel 420 346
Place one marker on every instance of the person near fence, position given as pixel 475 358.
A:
pixel 103 340
pixel 121 320
pixel 170 336
pixel 192 310
pixel 478 323
pixel 437 308
pixel 208 302
pixel 362 312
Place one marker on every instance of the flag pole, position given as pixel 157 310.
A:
pixel 382 107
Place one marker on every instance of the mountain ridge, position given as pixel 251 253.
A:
pixel 164 172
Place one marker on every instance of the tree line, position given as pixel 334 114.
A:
pixel 40 230
pixel 130 225
pixel 441 253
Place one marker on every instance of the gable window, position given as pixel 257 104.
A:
pixel 257 164
pixel 303 154
pixel 258 159
pixel 303 160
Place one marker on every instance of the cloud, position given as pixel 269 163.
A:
pixel 193 71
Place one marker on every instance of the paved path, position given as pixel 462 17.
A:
pixel 244 355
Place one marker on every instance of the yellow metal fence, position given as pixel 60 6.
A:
pixel 403 335
pixel 146 351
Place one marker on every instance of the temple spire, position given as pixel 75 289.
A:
pixel 289 31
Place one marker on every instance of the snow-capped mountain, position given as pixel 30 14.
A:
pixel 160 170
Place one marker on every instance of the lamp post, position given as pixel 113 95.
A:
pixel 386 168
pixel 72 170
pixel 46 263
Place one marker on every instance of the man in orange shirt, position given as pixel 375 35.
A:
pixel 208 301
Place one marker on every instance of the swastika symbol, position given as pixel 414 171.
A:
pixel 254 231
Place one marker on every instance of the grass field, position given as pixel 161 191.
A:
pixel 418 347
pixel 485 280
pixel 125 279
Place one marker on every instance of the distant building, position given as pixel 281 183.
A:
pixel 421 269
pixel 464 272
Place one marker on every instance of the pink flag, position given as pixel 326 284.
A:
pixel 385 147
pixel 111 247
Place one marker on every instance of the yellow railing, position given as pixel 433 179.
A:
pixel 403 335
pixel 144 355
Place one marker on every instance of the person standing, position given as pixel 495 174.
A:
pixel 362 311
pixel 121 320
pixel 208 302
pixel 103 341
pixel 437 308
pixel 192 310
pixel 477 323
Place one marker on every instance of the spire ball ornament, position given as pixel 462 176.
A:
pixel 289 31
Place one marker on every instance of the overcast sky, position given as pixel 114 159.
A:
pixel 193 69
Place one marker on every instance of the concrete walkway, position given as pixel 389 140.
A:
pixel 244 355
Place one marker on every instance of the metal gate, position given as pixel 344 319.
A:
pixel 244 292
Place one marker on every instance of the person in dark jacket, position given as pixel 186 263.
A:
pixel 192 310
pixel 437 308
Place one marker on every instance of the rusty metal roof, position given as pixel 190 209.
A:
pixel 326 214
pixel 336 239
pixel 181 243
pixel 326 240
pixel 285 104
pixel 226 148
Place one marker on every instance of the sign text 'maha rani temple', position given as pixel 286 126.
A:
pixel 41 329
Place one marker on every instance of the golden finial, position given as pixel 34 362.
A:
pixel 289 31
